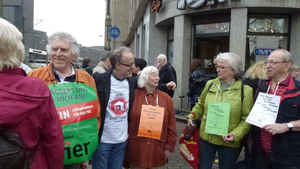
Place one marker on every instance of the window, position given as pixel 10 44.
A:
pixel 265 34
pixel 212 28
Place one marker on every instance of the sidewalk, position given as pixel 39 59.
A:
pixel 181 117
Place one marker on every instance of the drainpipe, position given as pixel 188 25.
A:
pixel 107 26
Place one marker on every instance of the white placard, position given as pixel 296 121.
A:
pixel 265 110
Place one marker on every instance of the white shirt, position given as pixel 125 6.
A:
pixel 116 119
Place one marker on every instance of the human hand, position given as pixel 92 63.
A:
pixel 190 122
pixel 276 128
pixel 171 85
pixel 167 154
pixel 228 138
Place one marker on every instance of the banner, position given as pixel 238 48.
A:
pixel 151 121
pixel 217 121
pixel 76 105
pixel 265 110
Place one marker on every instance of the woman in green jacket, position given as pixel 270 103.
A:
pixel 223 112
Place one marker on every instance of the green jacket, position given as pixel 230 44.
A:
pixel 238 110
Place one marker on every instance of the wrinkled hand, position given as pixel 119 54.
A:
pixel 167 154
pixel 171 85
pixel 276 128
pixel 228 138
pixel 190 122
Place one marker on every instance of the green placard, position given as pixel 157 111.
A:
pixel 71 93
pixel 80 141
pixel 217 121
pixel 77 107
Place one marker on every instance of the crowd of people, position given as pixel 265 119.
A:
pixel 128 106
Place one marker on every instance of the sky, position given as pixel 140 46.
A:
pixel 84 19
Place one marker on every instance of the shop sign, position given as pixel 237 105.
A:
pixel 156 5
pixel 263 51
pixel 196 4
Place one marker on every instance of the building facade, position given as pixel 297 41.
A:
pixel 187 29
pixel 20 13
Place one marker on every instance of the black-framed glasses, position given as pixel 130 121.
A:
pixel 127 65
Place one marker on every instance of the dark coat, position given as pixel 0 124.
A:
pixel 167 74
pixel 285 146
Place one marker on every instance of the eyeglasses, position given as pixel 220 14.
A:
pixel 127 65
pixel 274 62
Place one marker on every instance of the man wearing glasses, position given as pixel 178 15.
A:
pixel 115 91
pixel 277 146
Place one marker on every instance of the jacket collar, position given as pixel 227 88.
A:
pixel 78 78
pixel 16 70
pixel 217 85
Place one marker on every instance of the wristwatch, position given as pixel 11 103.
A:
pixel 290 126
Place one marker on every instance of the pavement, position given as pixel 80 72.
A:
pixel 176 161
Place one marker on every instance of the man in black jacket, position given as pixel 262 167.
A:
pixel 277 146
pixel 115 91
pixel 167 75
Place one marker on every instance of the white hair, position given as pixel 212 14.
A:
pixel 144 75
pixel 233 60
pixel 64 36
pixel 285 55
pixel 11 45
pixel 162 56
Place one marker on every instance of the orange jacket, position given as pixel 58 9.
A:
pixel 46 74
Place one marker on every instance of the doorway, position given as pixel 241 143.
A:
pixel 207 48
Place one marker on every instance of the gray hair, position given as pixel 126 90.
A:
pixel 64 36
pixel 162 56
pixel 233 60
pixel 285 55
pixel 144 75
pixel 11 45
pixel 116 55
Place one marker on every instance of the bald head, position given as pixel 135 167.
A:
pixel 161 60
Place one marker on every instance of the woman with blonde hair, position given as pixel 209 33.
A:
pixel 27 107
pixel 296 71
pixel 257 71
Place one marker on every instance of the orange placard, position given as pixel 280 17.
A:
pixel 151 121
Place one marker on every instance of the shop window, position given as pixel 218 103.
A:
pixel 265 34
pixel 212 28
pixel 268 25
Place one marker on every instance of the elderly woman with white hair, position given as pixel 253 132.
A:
pixel 152 124
pixel 27 109
pixel 223 107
